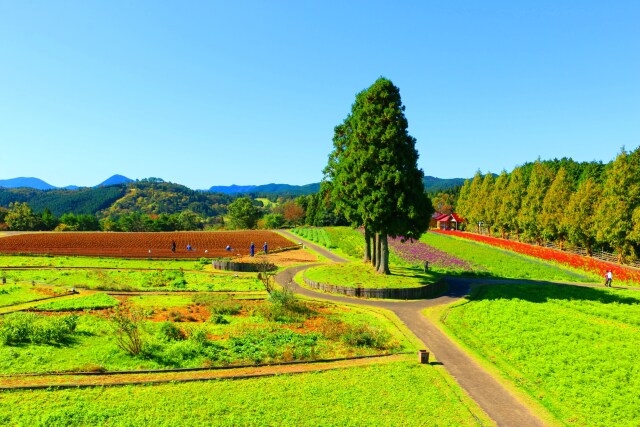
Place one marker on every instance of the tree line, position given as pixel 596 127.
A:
pixel 589 204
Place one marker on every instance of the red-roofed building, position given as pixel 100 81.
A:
pixel 446 222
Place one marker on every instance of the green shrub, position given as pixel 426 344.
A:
pixel 172 332
pixel 363 335
pixel 20 328
pixel 260 345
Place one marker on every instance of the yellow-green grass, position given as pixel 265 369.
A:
pixel 133 280
pixel 393 394
pixel 11 294
pixel 96 262
pixel 160 301
pixel 355 274
pixel 96 301
pixel 266 202
pixel 570 349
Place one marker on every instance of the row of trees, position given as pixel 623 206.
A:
pixel 586 204
pixel 372 174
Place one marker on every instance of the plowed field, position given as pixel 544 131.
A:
pixel 143 245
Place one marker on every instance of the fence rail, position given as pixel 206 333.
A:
pixel 422 292
pixel 243 267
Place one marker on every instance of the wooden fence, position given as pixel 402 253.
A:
pixel 422 292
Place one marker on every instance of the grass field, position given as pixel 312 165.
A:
pixel 573 349
pixel 90 302
pixel 499 263
pixel 194 331
pixel 396 394
pixel 17 293
pixel 97 262
pixel 134 280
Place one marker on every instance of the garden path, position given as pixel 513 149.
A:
pixel 500 404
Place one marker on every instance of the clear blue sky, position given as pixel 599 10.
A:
pixel 236 92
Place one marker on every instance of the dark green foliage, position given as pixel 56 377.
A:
pixel 375 181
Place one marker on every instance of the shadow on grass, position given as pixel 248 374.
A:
pixel 541 292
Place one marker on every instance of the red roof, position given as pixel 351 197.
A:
pixel 442 217
pixel 457 218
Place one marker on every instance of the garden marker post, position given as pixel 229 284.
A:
pixel 423 357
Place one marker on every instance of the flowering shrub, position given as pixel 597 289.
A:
pixel 620 273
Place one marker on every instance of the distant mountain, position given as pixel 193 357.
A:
pixel 36 183
pixel 115 180
pixel 433 184
pixel 232 189
pixel 284 189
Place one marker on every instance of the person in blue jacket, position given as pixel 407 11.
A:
pixel 252 249
pixel 264 248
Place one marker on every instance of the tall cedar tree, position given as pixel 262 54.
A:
pixel 620 196
pixel 554 208
pixel 580 215
pixel 495 202
pixel 487 213
pixel 529 218
pixel 513 200
pixel 375 163
pixel 473 205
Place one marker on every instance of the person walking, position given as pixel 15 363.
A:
pixel 608 278
pixel 173 246
pixel 264 248
pixel 252 249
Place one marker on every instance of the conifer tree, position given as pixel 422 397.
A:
pixel 530 213
pixel 554 208
pixel 485 207
pixel 512 202
pixel 580 216
pixel 620 197
pixel 496 200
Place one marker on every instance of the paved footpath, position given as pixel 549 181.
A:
pixel 492 397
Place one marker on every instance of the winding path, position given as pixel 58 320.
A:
pixel 492 397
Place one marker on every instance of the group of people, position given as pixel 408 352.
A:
pixel 252 248
pixel 228 248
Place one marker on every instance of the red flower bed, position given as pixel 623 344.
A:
pixel 621 273
pixel 142 245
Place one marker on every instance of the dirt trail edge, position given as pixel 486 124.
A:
pixel 492 397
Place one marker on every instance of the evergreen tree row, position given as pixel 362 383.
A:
pixel 588 204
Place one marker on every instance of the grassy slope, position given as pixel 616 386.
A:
pixel 402 393
pixel 93 262
pixel 571 349
pixel 357 274
pixel 498 263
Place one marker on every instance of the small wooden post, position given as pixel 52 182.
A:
pixel 423 356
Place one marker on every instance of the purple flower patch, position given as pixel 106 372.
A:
pixel 419 252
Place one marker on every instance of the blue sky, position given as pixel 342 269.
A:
pixel 219 93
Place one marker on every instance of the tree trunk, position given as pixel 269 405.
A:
pixel 374 251
pixel 367 245
pixel 383 264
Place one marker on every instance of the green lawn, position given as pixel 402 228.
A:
pixel 11 294
pixel 573 349
pixel 132 280
pixel 95 262
pixel 394 394
pixel 499 263
pixel 355 274
pixel 90 302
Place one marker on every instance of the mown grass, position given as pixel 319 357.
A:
pixel 96 262
pixel 393 394
pixel 499 263
pixel 90 302
pixel 573 349
pixel 356 274
pixel 11 294
pixel 132 280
